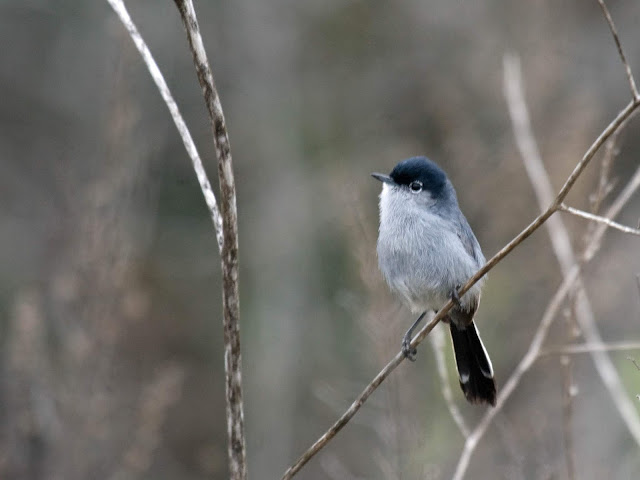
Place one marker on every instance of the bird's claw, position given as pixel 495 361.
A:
pixel 407 351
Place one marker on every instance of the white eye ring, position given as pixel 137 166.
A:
pixel 415 186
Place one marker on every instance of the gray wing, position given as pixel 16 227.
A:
pixel 469 241
pixel 461 317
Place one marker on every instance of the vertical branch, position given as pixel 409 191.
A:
pixel 623 58
pixel 230 298
pixel 226 225
pixel 189 145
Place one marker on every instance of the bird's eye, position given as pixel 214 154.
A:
pixel 416 186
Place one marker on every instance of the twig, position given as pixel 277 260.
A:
pixel 189 145
pixel 355 406
pixel 523 235
pixel 622 199
pixel 230 296
pixel 561 244
pixel 438 343
pixel 614 32
pixel 570 276
pixel 615 124
pixel 598 218
pixel 568 283
pixel 225 225
pixel 588 348
pixel 633 360
pixel 514 380
pixel 525 141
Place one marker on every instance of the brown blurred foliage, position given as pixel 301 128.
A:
pixel 111 362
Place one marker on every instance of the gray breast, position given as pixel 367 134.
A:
pixel 421 256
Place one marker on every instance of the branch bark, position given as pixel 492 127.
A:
pixel 230 295
pixel 226 225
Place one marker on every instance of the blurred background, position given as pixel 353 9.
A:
pixel 111 361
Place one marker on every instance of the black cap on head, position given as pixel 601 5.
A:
pixel 421 169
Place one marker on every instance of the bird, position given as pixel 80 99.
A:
pixel 426 252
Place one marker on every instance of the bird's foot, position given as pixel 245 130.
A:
pixel 407 351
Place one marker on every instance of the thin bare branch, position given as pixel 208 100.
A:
pixel 438 343
pixel 189 145
pixel 568 284
pixel 572 271
pixel 589 347
pixel 615 124
pixel 421 335
pixel 514 380
pixel 622 199
pixel 230 294
pixel 561 242
pixel 525 141
pixel 614 32
pixel 598 218
pixel 225 224
pixel 355 406
pixel 633 360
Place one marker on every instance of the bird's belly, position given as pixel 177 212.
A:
pixel 417 280
pixel 416 296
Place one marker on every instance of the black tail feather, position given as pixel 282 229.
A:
pixel 474 367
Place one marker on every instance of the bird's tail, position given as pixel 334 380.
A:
pixel 474 367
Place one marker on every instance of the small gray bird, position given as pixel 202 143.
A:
pixel 426 252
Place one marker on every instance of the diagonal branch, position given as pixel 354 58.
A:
pixel 568 285
pixel 561 242
pixel 614 32
pixel 533 226
pixel 189 145
pixel 230 294
pixel 589 347
pixel 356 405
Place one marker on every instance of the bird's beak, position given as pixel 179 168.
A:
pixel 383 178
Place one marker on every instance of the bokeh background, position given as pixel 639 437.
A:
pixel 111 360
